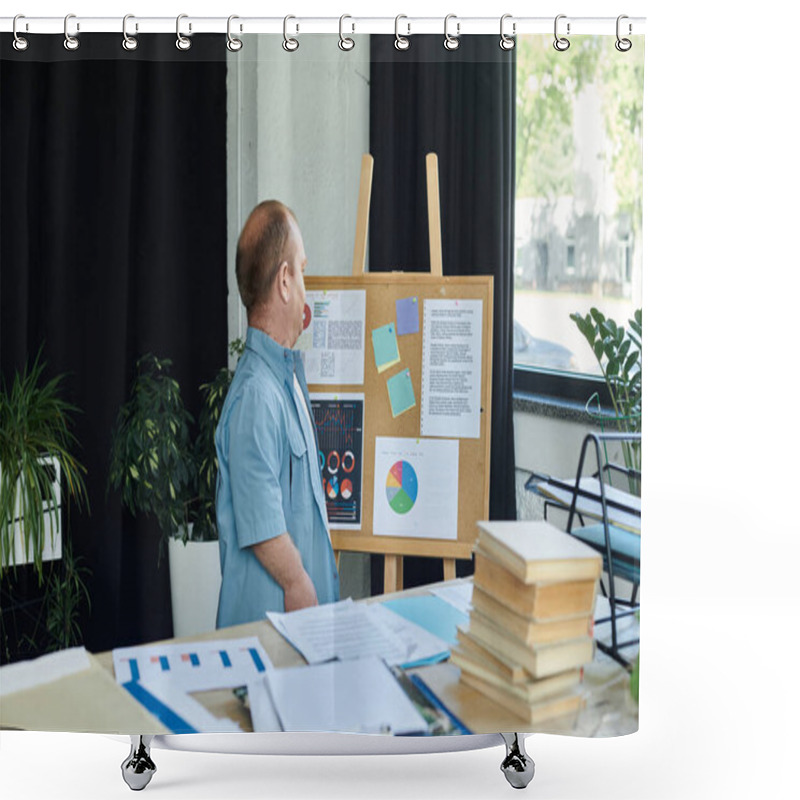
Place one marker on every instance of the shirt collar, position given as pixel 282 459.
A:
pixel 281 360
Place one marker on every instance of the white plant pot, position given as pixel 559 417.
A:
pixel 195 580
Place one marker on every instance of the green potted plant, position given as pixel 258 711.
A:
pixel 151 456
pixel 161 471
pixel 38 475
pixel 619 353
pixel 152 466
pixel 36 461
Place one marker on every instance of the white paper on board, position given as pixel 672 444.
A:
pixel 451 368
pixel 416 488
pixel 332 344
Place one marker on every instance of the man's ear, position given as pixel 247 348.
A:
pixel 283 281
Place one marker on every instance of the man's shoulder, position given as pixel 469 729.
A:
pixel 254 376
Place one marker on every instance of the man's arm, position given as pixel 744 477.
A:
pixel 282 560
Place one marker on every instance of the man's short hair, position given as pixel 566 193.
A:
pixel 261 250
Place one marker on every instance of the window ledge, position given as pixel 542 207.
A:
pixel 556 408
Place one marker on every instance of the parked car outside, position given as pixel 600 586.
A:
pixel 533 352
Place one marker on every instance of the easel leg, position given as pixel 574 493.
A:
pixel 392 574
pixel 518 766
pixel 138 768
pixel 449 565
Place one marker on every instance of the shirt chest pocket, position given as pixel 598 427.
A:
pixel 299 489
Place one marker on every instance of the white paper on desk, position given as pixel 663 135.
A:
pixel 459 595
pixel 417 643
pixel 451 368
pixel 262 709
pixel 359 696
pixel 194 666
pixel 45 669
pixel 342 630
pixel 168 692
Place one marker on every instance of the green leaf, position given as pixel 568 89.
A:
pixel 597 315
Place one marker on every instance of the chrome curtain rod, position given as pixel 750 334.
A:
pixel 455 25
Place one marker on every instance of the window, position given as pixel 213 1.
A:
pixel 578 215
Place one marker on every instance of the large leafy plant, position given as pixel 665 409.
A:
pixel 152 463
pixel 213 396
pixel 618 351
pixel 35 435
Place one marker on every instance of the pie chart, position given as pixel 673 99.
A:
pixel 401 487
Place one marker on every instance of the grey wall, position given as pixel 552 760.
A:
pixel 298 124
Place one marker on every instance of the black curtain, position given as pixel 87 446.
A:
pixel 461 105
pixel 113 244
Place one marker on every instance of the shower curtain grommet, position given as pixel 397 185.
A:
pixel 71 43
pixel 345 42
pixel 20 43
pixel 182 42
pixel 129 43
pixel 507 42
pixel 401 42
pixel 560 43
pixel 289 43
pixel 451 42
pixel 233 44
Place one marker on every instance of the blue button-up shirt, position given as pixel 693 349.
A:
pixel 269 483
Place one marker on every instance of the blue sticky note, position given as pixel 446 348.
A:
pixel 407 315
pixel 401 392
pixel 384 343
pixel 437 616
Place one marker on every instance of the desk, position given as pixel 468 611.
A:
pixel 609 710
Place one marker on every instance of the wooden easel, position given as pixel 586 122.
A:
pixel 393 564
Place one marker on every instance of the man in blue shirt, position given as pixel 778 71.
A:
pixel 275 547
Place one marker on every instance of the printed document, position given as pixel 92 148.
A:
pixel 451 368
pixel 358 696
pixel 332 342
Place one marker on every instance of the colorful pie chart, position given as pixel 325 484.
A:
pixel 401 487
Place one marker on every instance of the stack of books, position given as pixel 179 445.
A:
pixel 530 629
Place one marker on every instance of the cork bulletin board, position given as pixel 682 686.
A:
pixel 382 290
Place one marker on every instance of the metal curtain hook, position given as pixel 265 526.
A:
pixel 233 44
pixel 561 43
pixel 623 45
pixel 451 42
pixel 401 42
pixel 182 42
pixel 345 42
pixel 289 44
pixel 128 42
pixel 70 42
pixel 20 42
pixel 507 42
